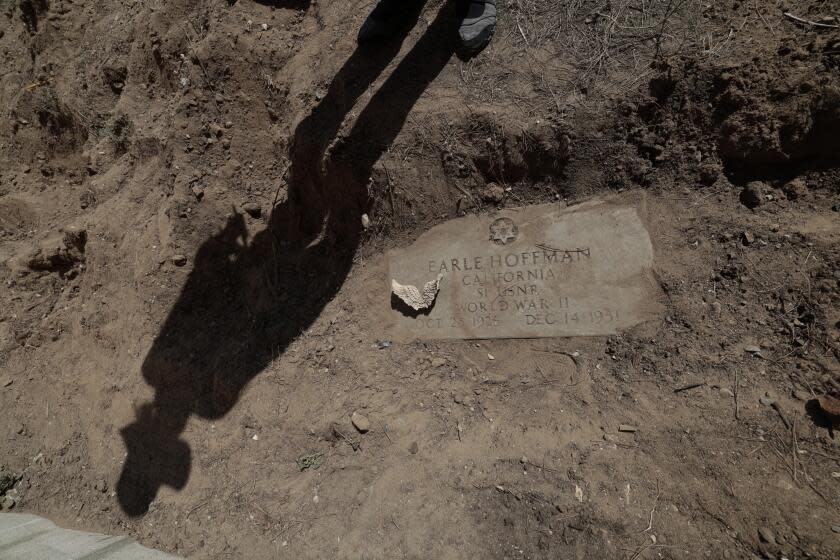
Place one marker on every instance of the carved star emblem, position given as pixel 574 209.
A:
pixel 503 231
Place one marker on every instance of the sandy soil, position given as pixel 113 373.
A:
pixel 191 306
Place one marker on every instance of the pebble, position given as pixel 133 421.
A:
pixel 491 357
pixel 752 349
pixel 438 362
pixel 7 502
pixel 493 193
pixel 766 401
pixel 726 392
pixel 365 221
pixel 766 535
pixel 360 421
pixel 753 194
pixel 413 448
pixel 835 528
pixel 198 191
pixel 795 189
pixel 253 209
pixel 747 238
pixel 101 486
pixel 627 428
pixel 179 260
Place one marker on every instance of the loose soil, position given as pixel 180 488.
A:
pixel 191 303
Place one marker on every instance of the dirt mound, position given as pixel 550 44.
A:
pixel 195 202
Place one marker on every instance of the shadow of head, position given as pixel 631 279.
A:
pixel 245 301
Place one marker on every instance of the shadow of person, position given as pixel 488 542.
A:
pixel 242 304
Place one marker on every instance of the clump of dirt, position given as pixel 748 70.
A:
pixel 196 199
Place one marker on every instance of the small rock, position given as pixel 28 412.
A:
pixel 438 362
pixel 101 486
pixel 752 349
pixel 766 535
pixel 360 421
pixel 835 528
pixel 413 448
pixel 766 401
pixel 747 238
pixel 115 77
pixel 715 307
pixel 709 173
pixel 726 392
pixel 87 199
pixel 524 460
pixel 491 357
pixel 6 381
pixel 198 191
pixel 627 428
pixel 753 194
pixel 179 260
pixel 253 209
pixel 365 221
pixel 493 193
pixel 795 189
pixel 7 503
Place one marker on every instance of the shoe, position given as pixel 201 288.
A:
pixel 478 22
pixel 388 18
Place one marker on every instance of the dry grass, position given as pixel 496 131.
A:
pixel 562 49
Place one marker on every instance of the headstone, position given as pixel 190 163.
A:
pixel 539 271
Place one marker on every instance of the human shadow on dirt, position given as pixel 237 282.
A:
pixel 243 303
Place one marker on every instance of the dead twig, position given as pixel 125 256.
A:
pixel 653 509
pixel 792 445
pixel 687 387
pixel 385 431
pixel 809 22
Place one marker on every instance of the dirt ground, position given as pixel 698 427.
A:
pixel 189 310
